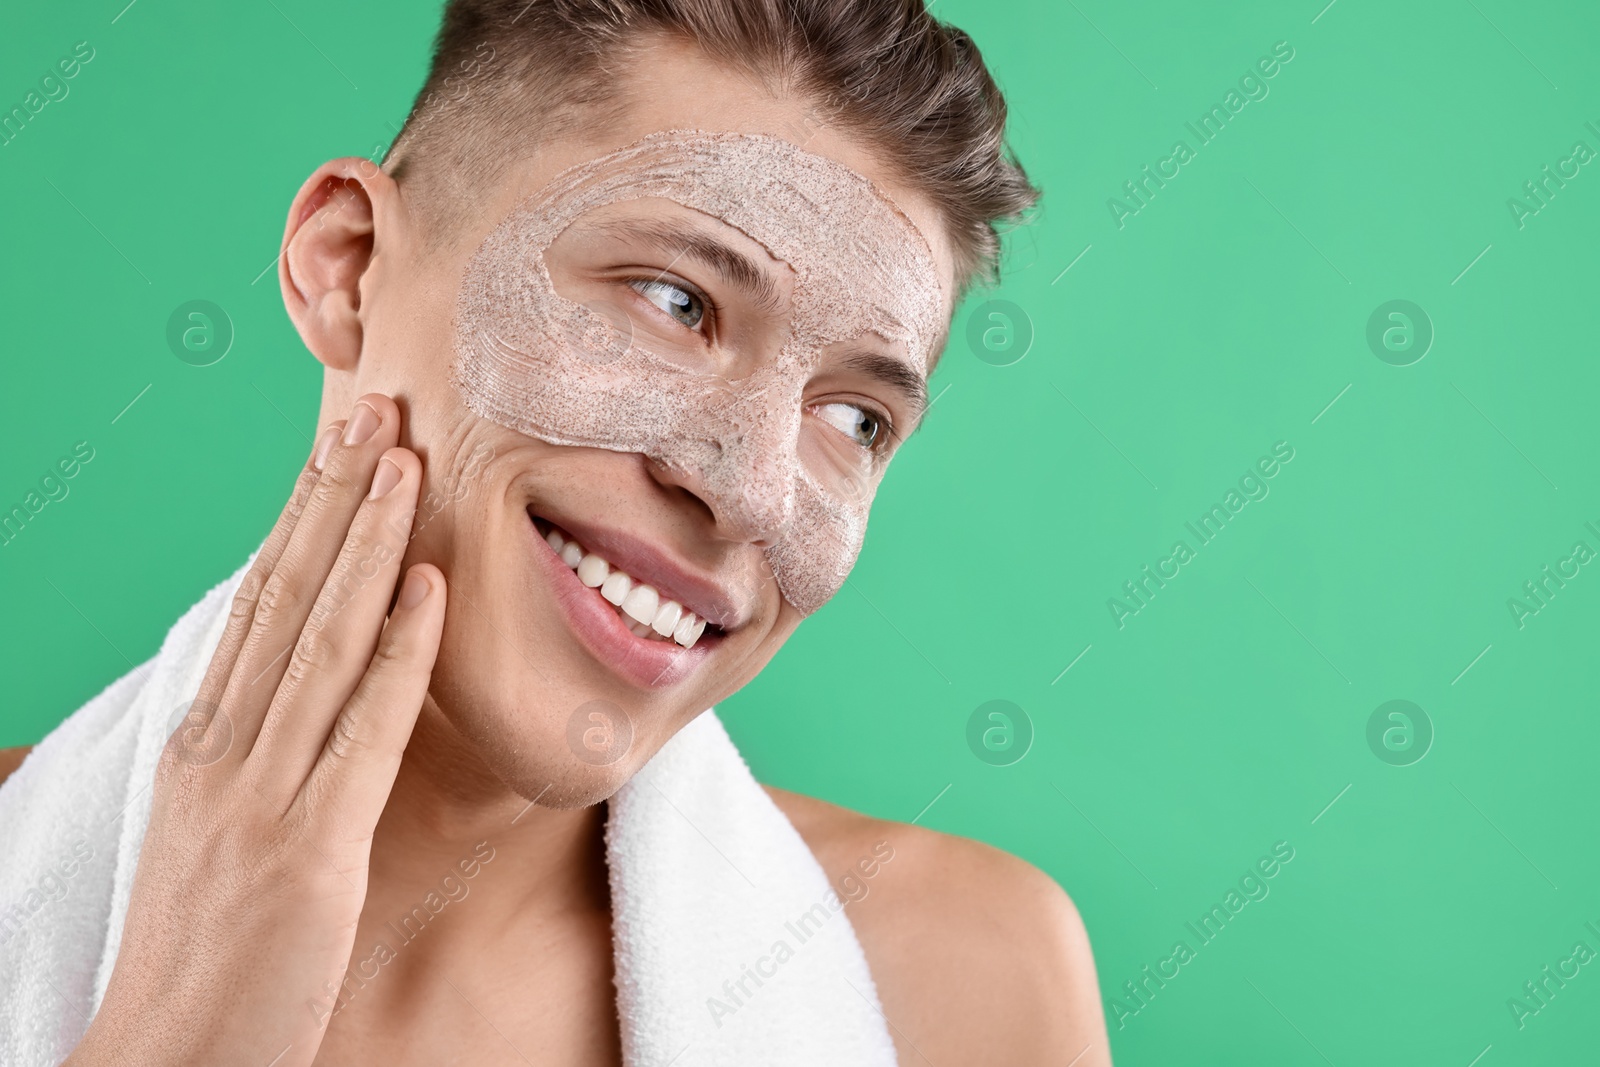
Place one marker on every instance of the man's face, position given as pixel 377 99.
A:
pixel 703 398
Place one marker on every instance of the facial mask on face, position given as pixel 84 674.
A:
pixel 534 361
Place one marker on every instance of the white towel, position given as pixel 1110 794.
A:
pixel 731 947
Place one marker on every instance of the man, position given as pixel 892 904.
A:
pixel 378 702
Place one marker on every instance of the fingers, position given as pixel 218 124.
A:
pixel 341 631
pixel 244 598
pixel 355 770
pixel 286 595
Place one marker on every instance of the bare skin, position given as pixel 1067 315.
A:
pixel 979 957
pixel 1024 958
pixel 331 814
pixel 11 759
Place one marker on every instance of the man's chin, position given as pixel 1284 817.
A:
pixel 565 770
pixel 567 787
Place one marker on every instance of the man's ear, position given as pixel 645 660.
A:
pixel 327 250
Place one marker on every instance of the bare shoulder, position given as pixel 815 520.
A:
pixel 979 957
pixel 11 759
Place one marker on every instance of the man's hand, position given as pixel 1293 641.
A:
pixel 254 867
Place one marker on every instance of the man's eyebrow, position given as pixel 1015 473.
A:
pixel 735 267
pixel 897 375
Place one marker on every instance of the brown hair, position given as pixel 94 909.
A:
pixel 508 72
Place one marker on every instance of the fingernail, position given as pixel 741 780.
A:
pixel 325 440
pixel 363 424
pixel 414 591
pixel 385 479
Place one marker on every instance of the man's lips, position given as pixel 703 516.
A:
pixel 647 662
pixel 644 562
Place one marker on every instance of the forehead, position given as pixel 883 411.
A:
pixel 669 84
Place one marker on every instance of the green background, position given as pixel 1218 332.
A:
pixel 1228 314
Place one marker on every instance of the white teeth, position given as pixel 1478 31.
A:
pixel 642 603
pixel 616 587
pixel 644 611
pixel 688 630
pixel 667 618
pixel 593 571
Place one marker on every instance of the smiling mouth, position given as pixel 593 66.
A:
pixel 643 610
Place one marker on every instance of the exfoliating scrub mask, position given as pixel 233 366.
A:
pixel 530 359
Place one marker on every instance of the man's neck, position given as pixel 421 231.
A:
pixel 448 811
pixel 479 906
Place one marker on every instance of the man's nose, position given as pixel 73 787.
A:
pixel 745 477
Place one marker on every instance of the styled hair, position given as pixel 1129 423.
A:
pixel 508 73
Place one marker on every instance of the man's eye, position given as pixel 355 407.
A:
pixel 674 300
pixel 855 422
